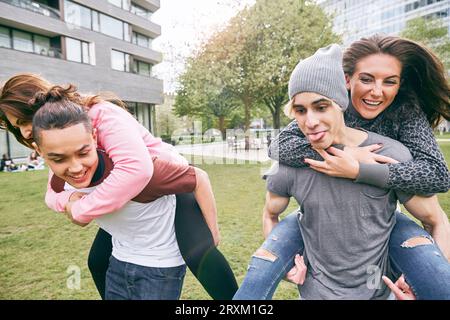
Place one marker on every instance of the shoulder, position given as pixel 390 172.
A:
pixel 391 148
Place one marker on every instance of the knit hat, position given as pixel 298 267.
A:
pixel 321 73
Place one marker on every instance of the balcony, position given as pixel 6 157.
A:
pixel 35 7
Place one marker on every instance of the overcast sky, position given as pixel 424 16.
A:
pixel 184 24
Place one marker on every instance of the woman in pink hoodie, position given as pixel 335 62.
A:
pixel 131 147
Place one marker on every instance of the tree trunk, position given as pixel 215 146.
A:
pixel 247 123
pixel 276 118
pixel 222 126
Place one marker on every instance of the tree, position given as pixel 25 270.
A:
pixel 248 63
pixel 284 31
pixel 432 33
pixel 203 89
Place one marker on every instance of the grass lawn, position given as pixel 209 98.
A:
pixel 40 249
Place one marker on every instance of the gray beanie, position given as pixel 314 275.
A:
pixel 321 73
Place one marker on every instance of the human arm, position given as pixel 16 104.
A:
pixel 56 201
pixel 433 218
pixel 205 198
pixel 273 207
pixel 427 173
pixel 290 147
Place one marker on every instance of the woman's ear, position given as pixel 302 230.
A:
pixel 347 82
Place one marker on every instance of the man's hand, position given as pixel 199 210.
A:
pixel 400 288
pixel 297 274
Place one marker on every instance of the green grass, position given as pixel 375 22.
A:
pixel 445 135
pixel 38 246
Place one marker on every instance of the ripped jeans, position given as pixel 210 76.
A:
pixel 425 268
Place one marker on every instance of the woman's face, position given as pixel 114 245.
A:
pixel 374 84
pixel 25 127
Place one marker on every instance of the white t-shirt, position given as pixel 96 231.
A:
pixel 142 233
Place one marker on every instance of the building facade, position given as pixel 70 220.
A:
pixel 357 18
pixel 98 45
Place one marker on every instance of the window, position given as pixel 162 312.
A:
pixel 141 40
pixel 77 50
pixel 41 45
pixel 120 61
pixel 112 27
pixel 93 20
pixel 22 41
pixel 141 12
pixel 5 38
pixel 126 32
pixel 142 68
pixel 85 52
pixel 124 4
pixel 131 107
pixel 73 50
pixel 78 15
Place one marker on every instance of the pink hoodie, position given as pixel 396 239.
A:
pixel 130 146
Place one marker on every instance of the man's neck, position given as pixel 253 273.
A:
pixel 350 137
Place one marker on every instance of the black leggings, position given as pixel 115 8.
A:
pixel 196 245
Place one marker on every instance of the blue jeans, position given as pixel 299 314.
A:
pixel 128 281
pixel 425 268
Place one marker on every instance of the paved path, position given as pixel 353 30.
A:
pixel 222 150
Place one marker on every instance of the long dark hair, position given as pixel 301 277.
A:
pixel 423 78
pixel 58 108
pixel 19 90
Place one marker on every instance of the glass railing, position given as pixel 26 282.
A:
pixel 48 52
pixel 35 7
pixel 52 52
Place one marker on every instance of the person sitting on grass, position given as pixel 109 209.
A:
pixel 146 262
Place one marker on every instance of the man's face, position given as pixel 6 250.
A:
pixel 70 153
pixel 319 118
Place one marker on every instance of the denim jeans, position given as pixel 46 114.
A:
pixel 425 268
pixel 128 281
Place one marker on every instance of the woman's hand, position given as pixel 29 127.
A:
pixel 73 198
pixel 367 154
pixel 400 288
pixel 76 196
pixel 337 163
pixel 345 164
pixel 297 274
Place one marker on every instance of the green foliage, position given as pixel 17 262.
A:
pixel 432 33
pixel 248 63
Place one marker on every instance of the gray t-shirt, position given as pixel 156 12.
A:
pixel 345 227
